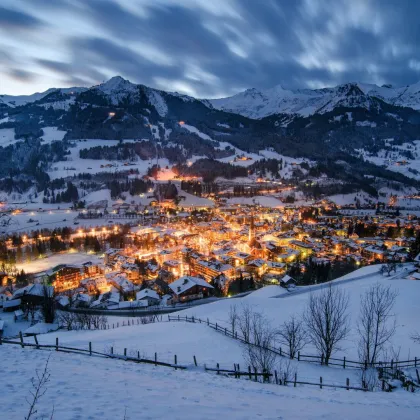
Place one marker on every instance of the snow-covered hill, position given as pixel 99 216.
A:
pixel 257 104
pixel 14 101
pixel 83 386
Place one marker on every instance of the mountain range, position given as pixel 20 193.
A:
pixel 325 125
pixel 254 103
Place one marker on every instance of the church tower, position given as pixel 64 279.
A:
pixel 251 229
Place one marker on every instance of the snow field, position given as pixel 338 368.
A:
pixel 83 387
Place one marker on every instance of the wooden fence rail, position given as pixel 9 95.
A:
pixel 267 377
pixel 343 363
pixel 89 352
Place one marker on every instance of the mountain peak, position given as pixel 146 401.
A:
pixel 116 83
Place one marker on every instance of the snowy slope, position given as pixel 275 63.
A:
pixel 83 387
pixel 279 309
pixel 14 101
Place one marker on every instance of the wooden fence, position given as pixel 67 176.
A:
pixel 89 351
pixel 276 378
pixel 319 359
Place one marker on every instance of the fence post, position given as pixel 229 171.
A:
pixel 56 343
pixel 418 377
pixel 366 364
pixel 218 369
pixel 415 362
pixel 36 341
pixel 298 356
pixel 90 348
pixel 208 322
pixel 125 352
pixel 344 362
pixel 275 375
pixel 383 385
pixel 178 317
pixel 195 361
pixel 176 361
pixel 392 364
pixel 169 318
pixel 234 369
pixel 320 382
pixel 280 352
pixel 155 359
pixel 295 380
pixel 216 326
pixel 322 359
pixel 249 373
pixel 225 331
pixel 347 383
pixel 138 354
pixel 21 339
pixel 255 372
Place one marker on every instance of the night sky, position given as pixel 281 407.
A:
pixel 207 48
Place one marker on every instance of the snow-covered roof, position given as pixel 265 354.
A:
pixel 147 293
pixel 187 282
pixel 33 290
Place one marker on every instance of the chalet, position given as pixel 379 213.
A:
pixel 257 266
pixel 211 269
pixel 287 281
pixel 33 293
pixel 148 295
pixel 190 288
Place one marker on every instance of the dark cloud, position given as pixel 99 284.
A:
pixel 22 75
pixel 13 19
pixel 216 47
pixel 56 66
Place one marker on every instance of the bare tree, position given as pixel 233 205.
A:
pixel 327 321
pixel 245 320
pixel 286 370
pixel 376 324
pixel 369 378
pixel 388 268
pixel 258 351
pixel 233 318
pixel 416 337
pixel 68 320
pixel 292 334
pixel 39 388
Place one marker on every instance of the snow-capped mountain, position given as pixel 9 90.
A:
pixel 257 104
pixel 14 101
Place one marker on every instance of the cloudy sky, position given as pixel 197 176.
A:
pixel 207 48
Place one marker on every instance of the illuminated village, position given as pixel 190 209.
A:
pixel 166 255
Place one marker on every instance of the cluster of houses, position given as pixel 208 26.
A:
pixel 176 259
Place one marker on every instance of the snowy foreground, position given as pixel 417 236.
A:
pixel 83 387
